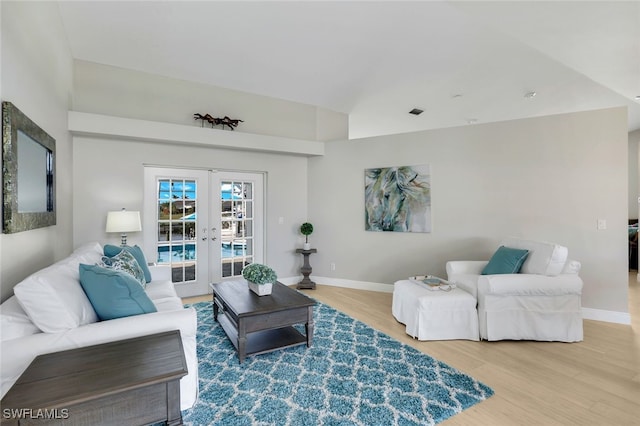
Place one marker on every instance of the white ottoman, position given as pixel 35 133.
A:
pixel 435 315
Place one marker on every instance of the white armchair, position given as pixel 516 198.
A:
pixel 542 302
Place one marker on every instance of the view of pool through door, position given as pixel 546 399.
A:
pixel 206 225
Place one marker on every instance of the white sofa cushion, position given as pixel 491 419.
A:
pixel 529 285
pixel 168 304
pixel 157 289
pixel 14 321
pixel 90 253
pixel 572 267
pixel 543 259
pixel 53 298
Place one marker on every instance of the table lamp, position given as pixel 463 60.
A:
pixel 123 221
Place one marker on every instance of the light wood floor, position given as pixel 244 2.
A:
pixel 594 382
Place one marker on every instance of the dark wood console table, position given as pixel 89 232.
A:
pixel 306 283
pixel 128 382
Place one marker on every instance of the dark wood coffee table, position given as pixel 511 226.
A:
pixel 129 382
pixel 258 324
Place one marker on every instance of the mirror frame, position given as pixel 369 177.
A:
pixel 13 120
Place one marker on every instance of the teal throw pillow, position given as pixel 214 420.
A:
pixel 114 294
pixel 506 260
pixel 111 250
pixel 125 262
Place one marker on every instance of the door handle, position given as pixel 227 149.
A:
pixel 213 232
pixel 204 234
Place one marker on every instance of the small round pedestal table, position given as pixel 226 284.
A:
pixel 306 283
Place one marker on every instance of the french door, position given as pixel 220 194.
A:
pixel 206 225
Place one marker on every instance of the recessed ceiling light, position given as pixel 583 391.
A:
pixel 530 95
pixel 416 111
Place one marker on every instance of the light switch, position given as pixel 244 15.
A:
pixel 280 220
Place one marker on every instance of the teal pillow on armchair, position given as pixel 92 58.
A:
pixel 506 260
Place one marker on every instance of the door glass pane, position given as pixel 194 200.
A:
pixel 248 228
pixel 236 250
pixel 177 233
pixel 226 268
pixel 163 231
pixel 176 221
pixel 237 267
pixel 248 190
pixel 164 209
pixel 190 230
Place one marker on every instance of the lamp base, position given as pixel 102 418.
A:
pixel 123 240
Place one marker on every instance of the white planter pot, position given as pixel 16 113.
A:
pixel 307 246
pixel 260 289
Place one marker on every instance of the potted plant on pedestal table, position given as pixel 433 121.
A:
pixel 260 278
pixel 306 229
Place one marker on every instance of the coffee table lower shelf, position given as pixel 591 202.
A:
pixel 259 342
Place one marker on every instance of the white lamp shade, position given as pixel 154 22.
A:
pixel 123 221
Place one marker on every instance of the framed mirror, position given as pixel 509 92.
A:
pixel 28 173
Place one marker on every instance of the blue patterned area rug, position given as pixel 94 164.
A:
pixel 352 375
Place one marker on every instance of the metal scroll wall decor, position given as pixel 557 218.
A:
pixel 232 123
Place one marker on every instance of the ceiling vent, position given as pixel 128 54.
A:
pixel 416 111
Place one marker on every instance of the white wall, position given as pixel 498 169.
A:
pixel 108 90
pixel 547 178
pixel 36 76
pixel 108 172
pixel 634 177
pixel 108 175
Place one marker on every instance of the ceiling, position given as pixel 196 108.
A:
pixel 461 62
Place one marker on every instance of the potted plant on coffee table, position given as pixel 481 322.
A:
pixel 260 278
pixel 306 229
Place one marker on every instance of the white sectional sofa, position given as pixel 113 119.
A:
pixel 50 312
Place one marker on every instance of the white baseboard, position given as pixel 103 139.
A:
pixel 339 282
pixel 606 316
pixel 360 285
pixel 290 280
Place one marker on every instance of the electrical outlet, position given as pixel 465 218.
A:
pixel 333 266
pixel 602 224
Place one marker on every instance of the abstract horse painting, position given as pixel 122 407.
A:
pixel 398 199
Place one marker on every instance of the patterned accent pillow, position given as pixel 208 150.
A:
pixel 111 250
pixel 125 262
